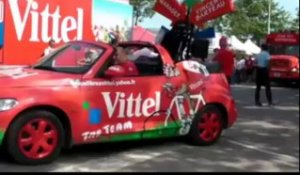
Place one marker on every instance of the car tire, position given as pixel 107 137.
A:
pixel 35 138
pixel 207 127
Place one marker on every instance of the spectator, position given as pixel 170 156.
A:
pixel 212 57
pixel 225 58
pixel 249 65
pixel 98 32
pixel 262 75
pixel 50 48
pixel 113 39
pixel 106 38
pixel 239 70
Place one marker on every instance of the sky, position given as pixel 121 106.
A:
pixel 102 13
pixel 158 20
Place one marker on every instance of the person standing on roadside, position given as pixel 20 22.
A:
pixel 50 47
pixel 262 76
pixel 249 64
pixel 226 58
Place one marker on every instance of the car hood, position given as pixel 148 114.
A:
pixel 22 77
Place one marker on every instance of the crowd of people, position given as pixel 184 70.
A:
pixel 103 34
pixel 252 68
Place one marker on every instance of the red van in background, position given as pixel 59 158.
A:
pixel 284 48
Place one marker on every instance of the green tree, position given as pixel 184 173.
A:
pixel 251 19
pixel 142 9
pixel 295 23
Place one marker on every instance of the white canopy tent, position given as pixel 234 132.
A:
pixel 236 44
pixel 251 47
pixel 214 42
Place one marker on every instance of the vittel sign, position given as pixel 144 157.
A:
pixel 44 21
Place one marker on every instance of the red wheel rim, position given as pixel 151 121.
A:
pixel 38 139
pixel 210 126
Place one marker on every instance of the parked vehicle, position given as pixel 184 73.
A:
pixel 284 48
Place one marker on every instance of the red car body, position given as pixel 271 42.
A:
pixel 92 107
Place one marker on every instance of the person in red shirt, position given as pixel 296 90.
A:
pixel 225 58
pixel 123 66
pixel 249 67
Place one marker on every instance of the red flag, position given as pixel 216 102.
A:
pixel 170 9
pixel 211 9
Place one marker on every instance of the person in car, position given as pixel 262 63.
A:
pixel 123 67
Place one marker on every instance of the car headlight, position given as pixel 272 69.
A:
pixel 7 104
pixel 295 70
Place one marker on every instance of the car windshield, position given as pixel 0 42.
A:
pixel 284 50
pixel 76 58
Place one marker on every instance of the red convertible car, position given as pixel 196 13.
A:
pixel 79 95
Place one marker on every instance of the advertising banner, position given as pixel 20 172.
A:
pixel 211 9
pixel 171 9
pixel 31 24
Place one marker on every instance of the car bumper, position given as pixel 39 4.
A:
pixel 232 114
pixel 5 120
pixel 293 76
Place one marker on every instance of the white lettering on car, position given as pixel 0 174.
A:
pixel 130 105
pixel 91 135
pixel 78 83
pixel 108 130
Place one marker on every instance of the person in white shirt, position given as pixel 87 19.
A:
pixel 240 67
pixel 50 48
pixel 143 52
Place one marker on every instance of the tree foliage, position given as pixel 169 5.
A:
pixel 295 23
pixel 251 19
pixel 142 9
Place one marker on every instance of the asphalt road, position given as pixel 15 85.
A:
pixel 264 140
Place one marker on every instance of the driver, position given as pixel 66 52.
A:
pixel 123 66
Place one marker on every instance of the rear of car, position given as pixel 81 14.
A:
pixel 284 64
pixel 284 68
